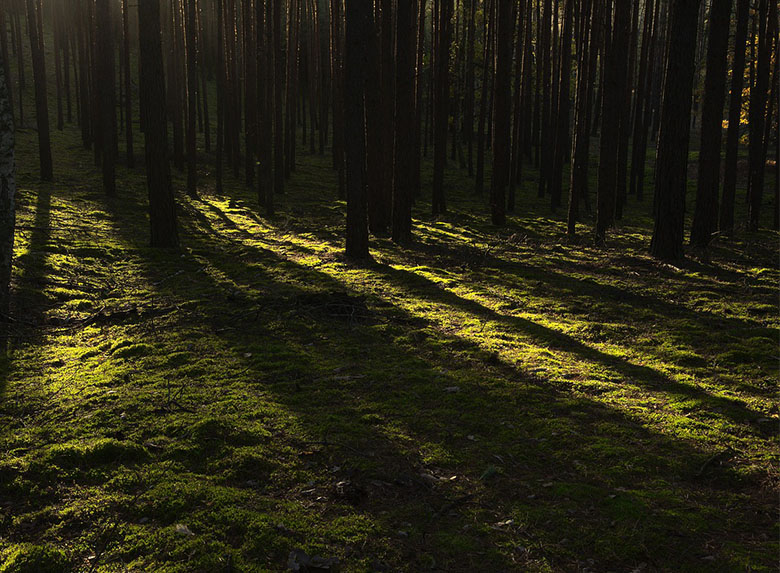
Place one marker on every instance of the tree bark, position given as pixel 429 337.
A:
pixel 105 78
pixel 441 103
pixel 674 132
pixel 757 120
pixel 705 216
pixel 358 21
pixel 7 201
pixel 34 17
pixel 613 102
pixel 162 207
pixel 403 179
pixel 502 97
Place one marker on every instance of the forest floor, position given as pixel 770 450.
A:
pixel 484 400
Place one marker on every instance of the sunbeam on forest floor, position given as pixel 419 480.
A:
pixel 478 401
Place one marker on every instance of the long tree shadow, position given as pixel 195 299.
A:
pixel 633 373
pixel 373 396
pixel 643 376
pixel 535 402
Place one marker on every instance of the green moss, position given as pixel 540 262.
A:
pixel 28 558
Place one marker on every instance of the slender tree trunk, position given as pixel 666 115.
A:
pixel 106 95
pixel 358 22
pixel 192 101
pixel 518 128
pixel 674 131
pixel 403 177
pixel 624 126
pixel 128 84
pixel 279 73
pixel 441 103
pixel 758 95
pixel 562 143
pixel 375 124
pixel 221 81
pixel 468 102
pixel 7 199
pixel 581 141
pixel 705 216
pixel 483 99
pixel 34 17
pixel 162 207
pixel 503 101
pixel 250 91
pixel 419 87
pixel 613 94
pixel 6 59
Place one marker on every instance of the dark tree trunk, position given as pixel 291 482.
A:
pixel 6 59
pixel 279 73
pixel 758 93
pixel 581 142
pixel 220 7
pixel 7 200
pixel 357 24
pixel 162 207
pixel 130 158
pixel 518 129
pixel 624 127
pixel 562 144
pixel 674 132
pixel 502 98
pixel 705 215
pixel 545 79
pixel 192 101
pixel 441 103
pixel 613 102
pixel 639 136
pixel 34 17
pixel 250 90
pixel 487 70
pixel 468 101
pixel 403 178
pixel 375 136
pixel 106 94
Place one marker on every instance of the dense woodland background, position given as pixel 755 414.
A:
pixel 467 285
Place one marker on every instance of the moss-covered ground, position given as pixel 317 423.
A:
pixel 483 400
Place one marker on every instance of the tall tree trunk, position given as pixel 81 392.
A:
pixel 403 177
pixel 192 102
pixel 221 88
pixel 7 200
pixel 6 59
pixel 128 84
pixel 758 93
pixel 562 143
pixel 613 101
pixel 358 22
pixel 581 141
pixel 502 113
pixel 674 132
pixel 624 126
pixel 636 175
pixel 106 95
pixel 468 102
pixel 375 124
pixel 441 102
pixel 250 91
pixel 162 207
pixel 34 17
pixel 279 73
pixel 705 215
pixel 487 70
